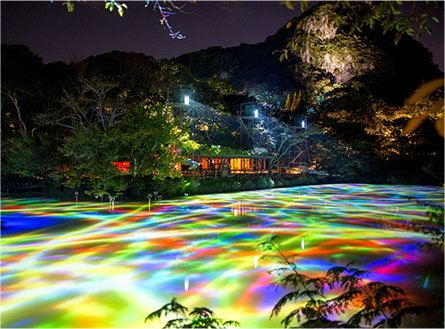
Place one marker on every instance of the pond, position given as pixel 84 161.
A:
pixel 78 265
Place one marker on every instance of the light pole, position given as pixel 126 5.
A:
pixel 159 199
pixel 112 198
pixel 77 196
pixel 149 196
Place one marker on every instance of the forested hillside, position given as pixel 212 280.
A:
pixel 66 123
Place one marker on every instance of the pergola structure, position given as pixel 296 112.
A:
pixel 252 133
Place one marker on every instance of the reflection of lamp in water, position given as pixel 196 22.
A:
pixel 187 100
pixel 302 243
pixel 186 284
pixel 255 261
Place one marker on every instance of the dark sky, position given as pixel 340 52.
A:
pixel 53 33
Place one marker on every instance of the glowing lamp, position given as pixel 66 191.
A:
pixel 302 124
pixel 182 95
pixel 250 110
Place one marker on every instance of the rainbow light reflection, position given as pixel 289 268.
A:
pixel 68 265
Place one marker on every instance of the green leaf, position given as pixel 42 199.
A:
pixel 337 20
pixel 69 6
pixel 435 19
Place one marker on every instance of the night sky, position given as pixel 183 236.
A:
pixel 53 33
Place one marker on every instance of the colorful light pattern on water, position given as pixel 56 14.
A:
pixel 68 265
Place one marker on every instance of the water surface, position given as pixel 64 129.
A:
pixel 68 265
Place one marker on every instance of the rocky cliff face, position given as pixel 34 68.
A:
pixel 329 56
pixel 319 43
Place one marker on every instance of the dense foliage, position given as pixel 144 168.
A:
pixel 343 292
pixel 200 317
pixel 77 124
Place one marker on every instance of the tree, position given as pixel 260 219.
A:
pixel 389 15
pixel 386 133
pixel 146 138
pixel 341 162
pixel 22 89
pixel 108 124
pixel 200 317
pixel 26 149
pixel 121 7
pixel 374 303
pixel 213 91
pixel 434 230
